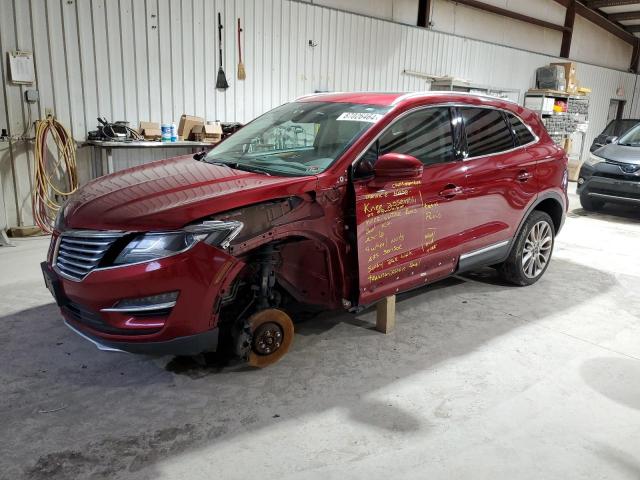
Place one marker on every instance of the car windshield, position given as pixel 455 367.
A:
pixel 631 138
pixel 299 138
pixel 618 127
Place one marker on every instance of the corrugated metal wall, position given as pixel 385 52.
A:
pixel 157 59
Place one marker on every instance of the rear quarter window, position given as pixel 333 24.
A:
pixel 487 131
pixel 520 131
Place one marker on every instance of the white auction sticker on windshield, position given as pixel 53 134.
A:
pixel 360 117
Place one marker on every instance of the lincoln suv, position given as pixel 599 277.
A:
pixel 333 201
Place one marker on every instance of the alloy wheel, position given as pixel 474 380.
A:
pixel 537 249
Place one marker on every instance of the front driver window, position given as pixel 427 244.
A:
pixel 426 134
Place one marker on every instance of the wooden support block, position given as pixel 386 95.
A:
pixel 386 314
pixel 27 231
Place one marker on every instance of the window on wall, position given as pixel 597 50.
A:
pixel 426 135
pixel 487 132
pixel 520 131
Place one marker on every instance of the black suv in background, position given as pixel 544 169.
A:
pixel 612 173
pixel 612 131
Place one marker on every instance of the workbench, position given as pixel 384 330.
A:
pixel 106 149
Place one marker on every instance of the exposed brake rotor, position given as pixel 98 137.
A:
pixel 271 336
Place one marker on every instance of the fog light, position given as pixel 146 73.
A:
pixel 580 181
pixel 161 301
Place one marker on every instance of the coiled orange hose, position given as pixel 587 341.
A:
pixel 55 177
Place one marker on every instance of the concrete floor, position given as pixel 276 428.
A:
pixel 479 380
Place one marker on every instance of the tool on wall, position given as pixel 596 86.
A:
pixel 241 72
pixel 221 82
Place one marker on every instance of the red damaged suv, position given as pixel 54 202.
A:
pixel 334 200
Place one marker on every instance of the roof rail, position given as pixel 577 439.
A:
pixel 427 93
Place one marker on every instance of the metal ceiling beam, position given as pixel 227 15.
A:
pixel 617 17
pixel 508 13
pixel 603 22
pixel 611 3
pixel 567 35
pixel 633 66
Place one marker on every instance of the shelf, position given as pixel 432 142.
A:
pixel 554 94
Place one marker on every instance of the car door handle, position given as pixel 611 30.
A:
pixel 450 191
pixel 524 175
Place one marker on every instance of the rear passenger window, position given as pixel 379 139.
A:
pixel 425 134
pixel 487 132
pixel 521 132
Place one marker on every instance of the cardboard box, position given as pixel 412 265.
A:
pixel 152 134
pixel 144 125
pixel 187 122
pixel 150 130
pixel 209 133
pixel 569 75
pixel 574 169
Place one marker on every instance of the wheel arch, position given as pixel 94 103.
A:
pixel 311 247
pixel 552 204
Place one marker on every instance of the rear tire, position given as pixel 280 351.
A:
pixel 531 252
pixel 590 204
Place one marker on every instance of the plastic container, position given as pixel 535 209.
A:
pixel 165 128
pixel 174 132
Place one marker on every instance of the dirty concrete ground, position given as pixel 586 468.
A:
pixel 479 380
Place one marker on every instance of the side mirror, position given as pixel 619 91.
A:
pixel 397 165
pixel 610 139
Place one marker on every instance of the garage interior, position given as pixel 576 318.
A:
pixel 478 379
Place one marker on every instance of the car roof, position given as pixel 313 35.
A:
pixel 391 99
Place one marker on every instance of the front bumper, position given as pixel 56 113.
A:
pixel 608 183
pixel 201 275
pixel 190 345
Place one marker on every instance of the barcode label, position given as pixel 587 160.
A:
pixel 360 117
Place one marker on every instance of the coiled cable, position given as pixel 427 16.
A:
pixel 55 177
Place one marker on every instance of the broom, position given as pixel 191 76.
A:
pixel 221 81
pixel 241 73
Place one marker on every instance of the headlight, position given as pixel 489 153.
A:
pixel 593 160
pixel 216 232
pixel 153 246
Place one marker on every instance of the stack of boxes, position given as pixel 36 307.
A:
pixel 189 128
pixel 209 133
pixel 571 82
pixel 559 76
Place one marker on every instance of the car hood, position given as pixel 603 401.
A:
pixel 171 193
pixel 619 153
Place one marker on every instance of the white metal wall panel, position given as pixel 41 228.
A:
pixel 15 158
pixel 157 59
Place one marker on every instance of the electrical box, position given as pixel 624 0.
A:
pixel 31 96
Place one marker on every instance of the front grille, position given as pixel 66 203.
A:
pixel 80 252
pixel 614 176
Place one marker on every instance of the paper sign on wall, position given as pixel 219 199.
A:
pixel 21 67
